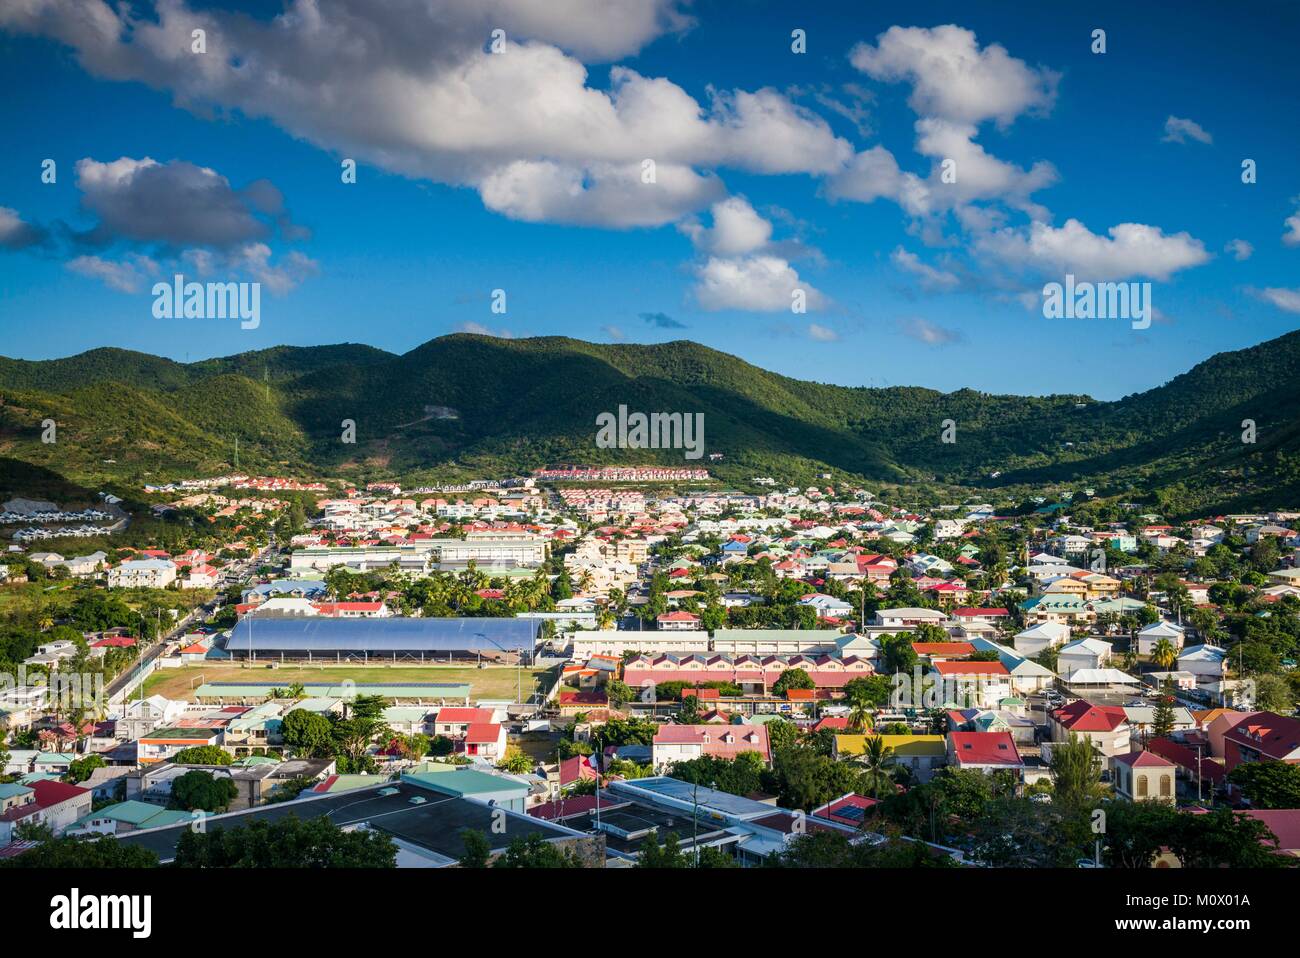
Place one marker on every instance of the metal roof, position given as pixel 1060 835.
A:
pixel 263 634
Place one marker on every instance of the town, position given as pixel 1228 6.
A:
pixel 553 671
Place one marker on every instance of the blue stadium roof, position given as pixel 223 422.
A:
pixel 273 634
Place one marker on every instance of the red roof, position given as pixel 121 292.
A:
pixel 464 716
pixel 114 642
pixel 971 668
pixel 483 733
pixel 1210 770
pixel 943 648
pixel 713 739
pixel 576 769
pixel 678 617
pixel 838 722
pixel 984 748
pixel 1273 735
pixel 574 805
pixel 48 792
pixel 985 613
pixel 1083 716
pixel 571 697
pixel 835 811
pixel 1146 759
pixel 1284 823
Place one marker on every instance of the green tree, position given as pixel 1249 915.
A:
pixel 1268 784
pixel 1076 773
pixel 533 851
pixel 70 852
pixel 307 734
pixel 618 693
pixel 792 679
pixel 202 791
pixel 515 762
pixel 477 849
pixel 1162 720
pixel 288 842
pixel 1273 693
pixel 79 769
pixel 877 761
pixel 203 755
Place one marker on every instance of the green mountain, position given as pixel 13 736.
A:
pixel 465 405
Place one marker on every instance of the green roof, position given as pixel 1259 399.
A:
pixel 388 690
pixel 140 814
pixel 11 789
pixel 465 781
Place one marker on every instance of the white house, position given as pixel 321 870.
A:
pixel 1046 635
pixel 1204 661
pixel 1153 633
pixel 142 573
pixel 1083 654
pixel 827 606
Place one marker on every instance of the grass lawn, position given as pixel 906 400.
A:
pixel 490 682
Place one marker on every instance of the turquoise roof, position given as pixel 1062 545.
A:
pixel 465 781
pixel 137 813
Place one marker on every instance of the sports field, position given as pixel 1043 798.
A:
pixel 489 682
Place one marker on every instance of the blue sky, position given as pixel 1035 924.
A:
pixel 908 284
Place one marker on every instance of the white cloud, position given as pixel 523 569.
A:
pixel 1239 248
pixel 1281 297
pixel 736 229
pixel 175 203
pixel 1179 129
pixel 125 276
pixel 823 334
pixel 929 333
pixel 15 232
pixel 930 276
pixel 956 86
pixel 478 329
pixel 953 78
pixel 874 174
pixel 410 86
pixel 1292 235
pixel 1131 249
pixel 292 268
pixel 761 283
pixel 603 195
pixel 614 332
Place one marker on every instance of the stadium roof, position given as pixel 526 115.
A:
pixel 262 634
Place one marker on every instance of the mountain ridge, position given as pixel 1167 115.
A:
pixel 520 403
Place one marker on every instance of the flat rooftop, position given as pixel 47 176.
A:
pixel 435 825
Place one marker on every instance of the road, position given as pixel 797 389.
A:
pixel 236 573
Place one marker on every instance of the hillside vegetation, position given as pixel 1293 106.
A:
pixel 465 405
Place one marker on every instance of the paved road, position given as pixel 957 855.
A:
pixel 200 614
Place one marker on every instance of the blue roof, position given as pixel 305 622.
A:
pixel 266 634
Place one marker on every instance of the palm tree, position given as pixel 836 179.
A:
pixel 860 715
pixel 1163 654
pixel 877 761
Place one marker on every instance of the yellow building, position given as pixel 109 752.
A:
pixel 920 753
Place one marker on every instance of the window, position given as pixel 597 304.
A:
pixel 1141 786
pixel 1166 786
